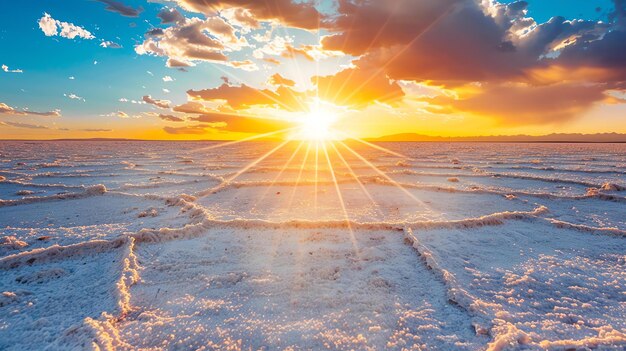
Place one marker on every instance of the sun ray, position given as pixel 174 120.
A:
pixel 295 188
pixel 286 107
pixel 369 46
pixel 356 177
pixel 317 148
pixel 384 175
pixel 268 188
pixel 242 171
pixel 234 142
pixel 382 68
pixel 341 201
pixel 377 147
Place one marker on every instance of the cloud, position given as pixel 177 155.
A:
pixel 192 40
pixel 122 9
pixel 192 107
pixel 195 129
pixel 300 14
pixel 514 104
pixel 138 102
pixel 357 87
pixel 23 125
pixel 168 79
pixel 482 57
pixel 74 97
pixel 119 114
pixel 242 124
pixel 240 17
pixel 6 69
pixel 499 62
pixel 168 15
pixel 96 130
pixel 277 80
pixel 244 96
pixel 110 45
pixel 170 118
pixel 158 103
pixel 50 27
pixel 8 110
pixel 245 65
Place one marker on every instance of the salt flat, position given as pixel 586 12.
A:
pixel 153 245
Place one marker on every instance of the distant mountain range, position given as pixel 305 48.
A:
pixel 550 138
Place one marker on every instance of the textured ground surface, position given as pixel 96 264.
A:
pixel 148 245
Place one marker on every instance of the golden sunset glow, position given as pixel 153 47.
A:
pixel 317 124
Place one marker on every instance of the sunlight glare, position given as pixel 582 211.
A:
pixel 317 124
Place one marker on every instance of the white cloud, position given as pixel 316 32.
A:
pixel 110 45
pixel 74 97
pixel 131 101
pixel 6 69
pixel 192 40
pixel 120 114
pixel 168 79
pixel 71 78
pixel 50 27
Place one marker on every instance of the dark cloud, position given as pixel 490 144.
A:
pixel 155 32
pixel 529 73
pixel 168 15
pixel 607 54
pixel 121 8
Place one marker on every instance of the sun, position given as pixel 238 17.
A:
pixel 317 124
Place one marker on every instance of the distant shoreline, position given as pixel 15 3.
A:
pixel 452 141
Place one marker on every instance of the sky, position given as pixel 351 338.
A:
pixel 232 69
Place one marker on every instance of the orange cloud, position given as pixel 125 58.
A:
pixel 522 104
pixel 241 97
pixel 357 87
pixel 241 124
pixel 277 79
